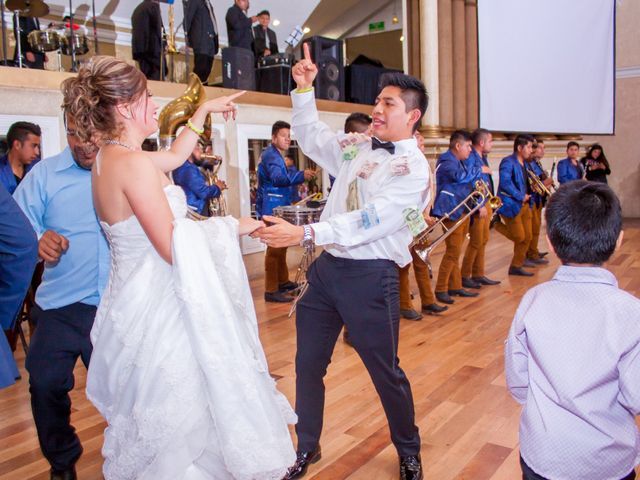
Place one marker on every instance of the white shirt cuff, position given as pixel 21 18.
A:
pixel 323 233
pixel 304 107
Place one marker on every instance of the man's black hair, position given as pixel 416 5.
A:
pixel 356 119
pixel 20 131
pixel 584 220
pixel 264 12
pixel 413 92
pixel 572 144
pixel 479 135
pixel 279 125
pixel 521 140
pixel 459 136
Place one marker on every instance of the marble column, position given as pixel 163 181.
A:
pixel 459 64
pixel 445 63
pixel 471 22
pixel 429 64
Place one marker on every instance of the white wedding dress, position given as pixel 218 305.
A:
pixel 177 369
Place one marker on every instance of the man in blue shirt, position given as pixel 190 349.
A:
pixel 569 168
pixel 473 261
pixel 515 194
pixel 56 198
pixel 274 190
pixel 194 184
pixel 455 178
pixel 23 139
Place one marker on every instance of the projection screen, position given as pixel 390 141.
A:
pixel 547 65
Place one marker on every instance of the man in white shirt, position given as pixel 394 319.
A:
pixel 355 281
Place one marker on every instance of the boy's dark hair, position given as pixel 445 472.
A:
pixel 572 144
pixel 459 136
pixel 264 12
pixel 357 119
pixel 478 135
pixel 20 131
pixel 279 125
pixel 522 140
pixel 584 220
pixel 413 92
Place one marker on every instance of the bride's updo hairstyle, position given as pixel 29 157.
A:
pixel 91 97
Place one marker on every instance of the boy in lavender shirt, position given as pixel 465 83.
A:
pixel 572 357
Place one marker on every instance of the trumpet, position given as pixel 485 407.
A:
pixel 423 244
pixel 537 185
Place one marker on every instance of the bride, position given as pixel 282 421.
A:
pixel 177 367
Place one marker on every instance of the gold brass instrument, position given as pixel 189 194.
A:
pixel 423 244
pixel 537 185
pixel 218 205
pixel 171 37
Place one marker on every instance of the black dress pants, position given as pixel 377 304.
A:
pixel 202 66
pixel 150 67
pixel 364 296
pixel 61 336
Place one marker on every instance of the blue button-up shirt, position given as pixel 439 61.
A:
pixel 567 171
pixel 7 178
pixel 56 195
pixel 195 187
pixel 573 359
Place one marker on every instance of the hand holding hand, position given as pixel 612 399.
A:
pixel 249 225
pixel 281 233
pixel 51 246
pixel 309 174
pixel 305 71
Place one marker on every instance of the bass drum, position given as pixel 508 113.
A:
pixel 78 39
pixel 43 41
pixel 299 214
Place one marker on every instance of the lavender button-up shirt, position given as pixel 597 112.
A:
pixel 573 359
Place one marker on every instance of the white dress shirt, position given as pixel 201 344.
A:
pixel 342 232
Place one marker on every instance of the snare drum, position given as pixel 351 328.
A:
pixel 44 40
pixel 80 42
pixel 298 214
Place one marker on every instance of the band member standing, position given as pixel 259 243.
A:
pixel 515 194
pixel 56 198
pixel 30 57
pixel 355 280
pixel 455 178
pixel 274 190
pixel 538 201
pixel 194 184
pixel 23 139
pixel 473 262
pixel 570 168
pixel 265 42
pixel 422 275
pixel 239 25
pixel 146 39
pixel 292 170
pixel 202 35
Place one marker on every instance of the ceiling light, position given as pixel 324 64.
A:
pixel 276 23
pixel 395 19
pixel 306 30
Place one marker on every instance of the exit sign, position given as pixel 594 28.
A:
pixel 376 27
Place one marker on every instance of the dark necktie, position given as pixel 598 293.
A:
pixel 388 146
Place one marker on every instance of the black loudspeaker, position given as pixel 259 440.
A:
pixel 238 68
pixel 327 55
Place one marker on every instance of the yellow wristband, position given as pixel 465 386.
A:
pixel 192 127
pixel 304 90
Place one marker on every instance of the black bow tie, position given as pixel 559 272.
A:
pixel 388 146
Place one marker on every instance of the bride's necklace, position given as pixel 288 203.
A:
pixel 110 141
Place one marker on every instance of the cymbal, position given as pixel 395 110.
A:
pixel 28 8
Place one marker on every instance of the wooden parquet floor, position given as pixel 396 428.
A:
pixel 467 420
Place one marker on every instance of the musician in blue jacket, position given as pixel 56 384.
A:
pixel 274 190
pixel 194 184
pixel 514 191
pixel 455 178
pixel 570 169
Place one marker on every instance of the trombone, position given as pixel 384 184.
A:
pixel 538 185
pixel 423 244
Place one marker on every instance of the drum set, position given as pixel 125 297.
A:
pixel 65 39
pixel 305 212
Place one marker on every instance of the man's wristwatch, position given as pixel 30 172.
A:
pixel 307 238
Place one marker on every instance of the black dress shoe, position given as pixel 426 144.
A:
pixel 444 297
pixel 69 474
pixel 411 468
pixel 486 281
pixel 277 297
pixel 529 263
pixel 303 460
pixel 463 293
pixel 434 308
pixel 470 283
pixel 287 286
pixel 519 271
pixel 539 261
pixel 410 314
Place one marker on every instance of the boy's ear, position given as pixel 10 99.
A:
pixel 551 249
pixel 414 116
pixel 619 241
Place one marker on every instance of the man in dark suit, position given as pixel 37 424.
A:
pixel 146 38
pixel 264 39
pixel 239 25
pixel 30 57
pixel 202 35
